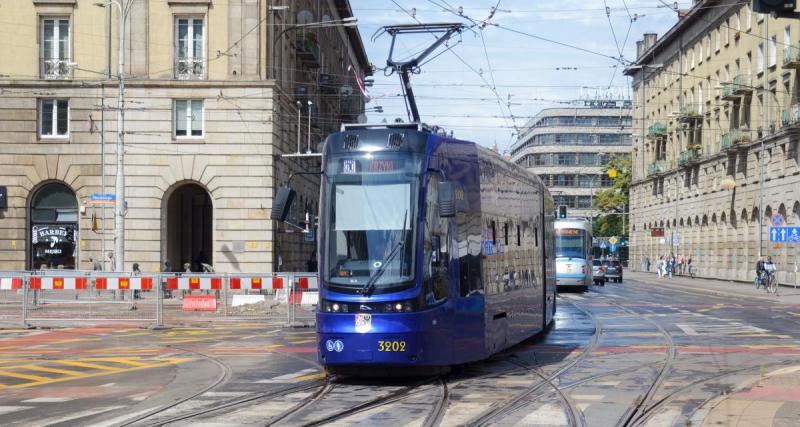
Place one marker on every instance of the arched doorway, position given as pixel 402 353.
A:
pixel 53 227
pixel 189 228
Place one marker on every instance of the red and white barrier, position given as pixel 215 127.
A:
pixel 56 283
pixel 8 283
pixel 124 283
pixel 256 282
pixel 307 282
pixel 194 283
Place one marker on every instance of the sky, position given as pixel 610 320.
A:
pixel 485 76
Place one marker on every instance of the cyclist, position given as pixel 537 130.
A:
pixel 759 271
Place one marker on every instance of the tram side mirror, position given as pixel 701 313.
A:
pixel 282 203
pixel 447 200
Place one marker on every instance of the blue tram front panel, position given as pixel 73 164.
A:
pixel 417 338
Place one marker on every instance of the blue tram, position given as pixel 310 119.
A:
pixel 432 251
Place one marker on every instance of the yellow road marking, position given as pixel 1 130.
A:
pixel 120 360
pixel 317 376
pixel 45 369
pixel 86 365
pixel 166 362
pixel 23 376
pixel 301 341
pixel 274 346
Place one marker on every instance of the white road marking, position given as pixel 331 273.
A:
pixel 9 409
pixel 587 396
pixel 550 414
pixel 732 328
pixel 121 420
pixel 109 385
pixel 74 416
pixel 49 400
pixel 224 393
pixel 288 377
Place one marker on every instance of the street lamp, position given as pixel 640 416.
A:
pixel 124 7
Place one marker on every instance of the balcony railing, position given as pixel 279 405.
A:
pixel 56 69
pixel 689 157
pixel 791 57
pixel 742 84
pixel 656 167
pixel 791 115
pixel 726 142
pixel 307 48
pixel 729 92
pixel 190 68
pixel 739 137
pixel 656 130
pixel 690 112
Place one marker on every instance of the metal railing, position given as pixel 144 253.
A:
pixel 689 156
pixel 739 137
pixel 657 129
pixel 791 115
pixel 56 69
pixel 690 112
pixel 742 84
pixel 190 68
pixel 791 57
pixel 656 167
pixel 725 143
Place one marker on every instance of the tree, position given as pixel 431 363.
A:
pixel 613 202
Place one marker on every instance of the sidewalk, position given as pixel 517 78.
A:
pixel 726 288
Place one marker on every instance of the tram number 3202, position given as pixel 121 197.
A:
pixel 392 346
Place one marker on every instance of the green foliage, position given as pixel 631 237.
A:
pixel 613 201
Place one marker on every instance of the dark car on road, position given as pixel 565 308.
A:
pixel 613 270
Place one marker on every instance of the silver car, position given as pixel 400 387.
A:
pixel 598 272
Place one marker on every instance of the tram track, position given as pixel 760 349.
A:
pixel 501 410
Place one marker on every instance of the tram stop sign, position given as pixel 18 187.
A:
pixel 777 220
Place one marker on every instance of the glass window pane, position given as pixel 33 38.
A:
pixel 62 118
pixel 63 39
pixel 47 43
pixel 197 42
pixel 180 118
pixel 47 117
pixel 197 118
pixel 183 38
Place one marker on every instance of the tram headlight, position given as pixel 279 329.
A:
pixel 399 307
pixel 334 307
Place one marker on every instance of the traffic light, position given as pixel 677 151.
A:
pixel 781 8
pixel 562 211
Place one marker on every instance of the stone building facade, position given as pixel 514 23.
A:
pixel 568 147
pixel 210 110
pixel 716 141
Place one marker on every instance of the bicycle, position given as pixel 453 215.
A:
pixel 768 281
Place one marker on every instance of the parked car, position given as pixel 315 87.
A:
pixel 598 272
pixel 613 270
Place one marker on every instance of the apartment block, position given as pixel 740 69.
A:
pixel 716 125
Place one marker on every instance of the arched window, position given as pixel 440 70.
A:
pixel 54 227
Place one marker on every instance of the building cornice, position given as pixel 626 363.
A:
pixel 160 83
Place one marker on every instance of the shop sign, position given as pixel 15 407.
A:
pixel 54 235
pixel 656 232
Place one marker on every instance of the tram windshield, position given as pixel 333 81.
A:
pixel 570 243
pixel 370 220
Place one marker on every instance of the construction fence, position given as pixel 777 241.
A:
pixel 166 299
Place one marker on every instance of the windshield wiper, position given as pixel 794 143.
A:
pixel 370 285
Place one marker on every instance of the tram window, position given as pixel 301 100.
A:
pixel 519 236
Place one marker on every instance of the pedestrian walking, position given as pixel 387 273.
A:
pixel 680 264
pixel 662 267
pixel 672 265
pixel 646 263
pixel 134 294
pixel 689 267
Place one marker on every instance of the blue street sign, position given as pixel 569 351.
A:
pixel 784 234
pixel 612 248
pixel 102 198
pixel 777 220
pixel 603 245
